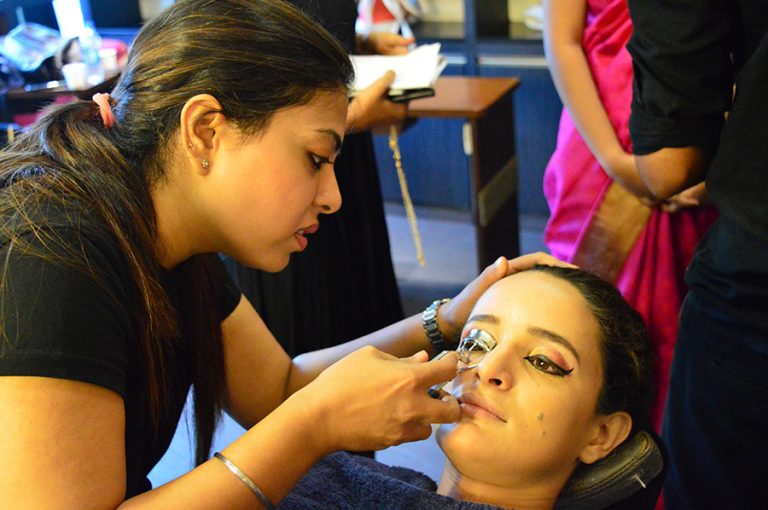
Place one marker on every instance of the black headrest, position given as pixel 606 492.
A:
pixel 632 467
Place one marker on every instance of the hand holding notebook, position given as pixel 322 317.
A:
pixel 416 72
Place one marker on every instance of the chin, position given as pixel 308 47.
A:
pixel 267 264
pixel 275 266
pixel 450 437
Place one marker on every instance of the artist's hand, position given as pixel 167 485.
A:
pixel 695 196
pixel 370 400
pixel 385 43
pixel 372 110
pixel 452 316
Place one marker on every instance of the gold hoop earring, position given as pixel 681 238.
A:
pixel 205 163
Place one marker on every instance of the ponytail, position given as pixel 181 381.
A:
pixel 76 165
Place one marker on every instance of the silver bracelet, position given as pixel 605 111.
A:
pixel 247 481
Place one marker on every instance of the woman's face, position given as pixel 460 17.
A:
pixel 270 188
pixel 528 410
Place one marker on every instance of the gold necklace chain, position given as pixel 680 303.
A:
pixel 409 211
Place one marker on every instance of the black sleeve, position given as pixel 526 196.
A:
pixel 683 72
pixel 62 322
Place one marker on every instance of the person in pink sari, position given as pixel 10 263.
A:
pixel 603 218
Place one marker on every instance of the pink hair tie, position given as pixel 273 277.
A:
pixel 105 109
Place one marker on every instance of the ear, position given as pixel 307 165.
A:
pixel 201 127
pixel 610 431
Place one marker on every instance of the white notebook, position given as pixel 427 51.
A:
pixel 415 72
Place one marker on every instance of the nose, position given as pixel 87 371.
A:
pixel 496 369
pixel 328 196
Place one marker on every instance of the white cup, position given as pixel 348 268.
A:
pixel 75 75
pixel 108 58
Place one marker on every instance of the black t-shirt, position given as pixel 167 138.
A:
pixel 336 16
pixel 65 323
pixel 687 56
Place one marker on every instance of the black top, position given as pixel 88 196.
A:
pixel 688 55
pixel 336 16
pixel 63 323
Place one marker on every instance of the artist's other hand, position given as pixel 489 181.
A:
pixel 695 196
pixel 453 315
pixel 372 110
pixel 385 43
pixel 370 400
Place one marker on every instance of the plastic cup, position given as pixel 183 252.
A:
pixel 75 75
pixel 108 58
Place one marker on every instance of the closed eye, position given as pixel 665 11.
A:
pixel 318 161
pixel 546 365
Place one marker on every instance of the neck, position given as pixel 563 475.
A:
pixel 454 484
pixel 178 233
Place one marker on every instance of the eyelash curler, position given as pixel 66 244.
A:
pixel 471 350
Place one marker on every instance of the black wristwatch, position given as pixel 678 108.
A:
pixel 429 321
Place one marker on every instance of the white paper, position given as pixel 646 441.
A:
pixel 417 69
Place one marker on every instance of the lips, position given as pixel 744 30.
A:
pixel 309 230
pixel 303 232
pixel 474 405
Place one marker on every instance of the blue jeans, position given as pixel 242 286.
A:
pixel 716 420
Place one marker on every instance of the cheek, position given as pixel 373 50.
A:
pixel 557 423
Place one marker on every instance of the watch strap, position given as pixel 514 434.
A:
pixel 429 321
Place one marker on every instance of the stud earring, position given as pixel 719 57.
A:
pixel 189 144
pixel 205 163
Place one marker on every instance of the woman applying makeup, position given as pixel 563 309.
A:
pixel 220 136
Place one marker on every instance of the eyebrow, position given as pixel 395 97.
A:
pixel 482 317
pixel 532 330
pixel 333 134
pixel 553 337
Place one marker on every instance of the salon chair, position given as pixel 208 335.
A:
pixel 629 478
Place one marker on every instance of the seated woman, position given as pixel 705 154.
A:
pixel 569 379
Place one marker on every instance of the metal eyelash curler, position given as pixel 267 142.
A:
pixel 471 350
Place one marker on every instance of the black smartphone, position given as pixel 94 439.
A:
pixel 402 96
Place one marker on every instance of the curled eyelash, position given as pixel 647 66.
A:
pixel 554 368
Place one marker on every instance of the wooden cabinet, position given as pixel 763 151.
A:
pixel 485 44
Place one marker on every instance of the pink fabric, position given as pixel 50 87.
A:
pixel 574 184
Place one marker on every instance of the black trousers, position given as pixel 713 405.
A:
pixel 716 419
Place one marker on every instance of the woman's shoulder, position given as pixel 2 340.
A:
pixel 57 231
pixel 62 295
